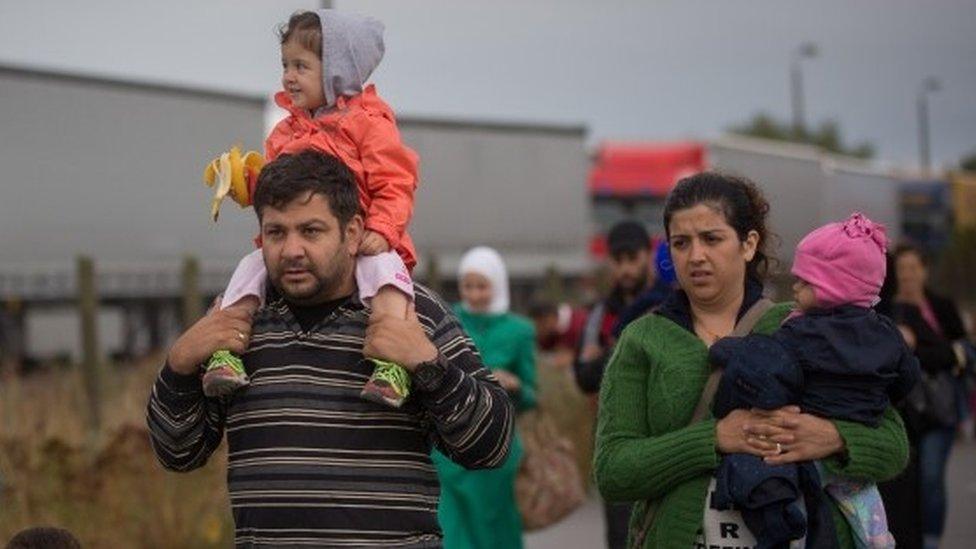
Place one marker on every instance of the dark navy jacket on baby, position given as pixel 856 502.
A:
pixel 844 363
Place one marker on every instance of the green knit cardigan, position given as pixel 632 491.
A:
pixel 646 451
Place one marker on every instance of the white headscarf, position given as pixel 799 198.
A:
pixel 486 262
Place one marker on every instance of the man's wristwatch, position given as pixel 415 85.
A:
pixel 429 375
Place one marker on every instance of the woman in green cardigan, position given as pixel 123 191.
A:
pixel 648 450
pixel 477 508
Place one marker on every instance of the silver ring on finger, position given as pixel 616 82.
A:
pixel 240 336
pixel 779 448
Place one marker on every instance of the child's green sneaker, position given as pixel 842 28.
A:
pixel 224 374
pixel 389 384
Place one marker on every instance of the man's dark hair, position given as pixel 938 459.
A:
pixel 540 308
pixel 906 248
pixel 627 237
pixel 291 176
pixel 43 537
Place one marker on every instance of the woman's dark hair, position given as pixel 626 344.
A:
pixel 738 199
pixel 906 248
pixel 889 287
pixel 305 28
pixel 291 176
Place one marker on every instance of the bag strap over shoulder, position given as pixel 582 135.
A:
pixel 742 328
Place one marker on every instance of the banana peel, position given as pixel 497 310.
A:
pixel 234 175
pixel 223 184
pixel 253 163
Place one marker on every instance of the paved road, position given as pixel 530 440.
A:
pixel 961 482
pixel 584 528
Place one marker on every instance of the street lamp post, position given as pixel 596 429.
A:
pixel 929 85
pixel 804 50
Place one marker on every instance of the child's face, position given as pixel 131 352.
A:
pixel 301 76
pixel 804 295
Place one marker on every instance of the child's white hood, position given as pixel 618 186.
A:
pixel 352 47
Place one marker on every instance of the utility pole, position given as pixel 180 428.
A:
pixel 929 85
pixel 803 51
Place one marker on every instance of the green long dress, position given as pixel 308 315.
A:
pixel 477 508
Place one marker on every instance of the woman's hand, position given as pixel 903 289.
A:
pixel 732 434
pixel 787 435
pixel 509 381
pixel 908 335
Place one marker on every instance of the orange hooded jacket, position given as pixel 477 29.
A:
pixel 361 131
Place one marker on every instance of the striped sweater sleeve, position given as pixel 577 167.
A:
pixel 472 416
pixel 184 426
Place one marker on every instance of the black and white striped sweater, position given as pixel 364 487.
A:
pixel 310 462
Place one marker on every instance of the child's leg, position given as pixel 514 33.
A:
pixel 225 372
pixel 248 280
pixel 861 505
pixel 390 301
pixel 384 283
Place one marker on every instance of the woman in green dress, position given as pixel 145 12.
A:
pixel 477 508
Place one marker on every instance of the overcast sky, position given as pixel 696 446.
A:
pixel 626 69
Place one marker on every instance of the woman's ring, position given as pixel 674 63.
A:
pixel 240 336
pixel 779 448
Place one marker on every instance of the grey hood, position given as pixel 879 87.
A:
pixel 352 47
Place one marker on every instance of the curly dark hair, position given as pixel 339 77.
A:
pixel 291 176
pixel 740 201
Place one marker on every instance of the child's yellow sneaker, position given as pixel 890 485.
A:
pixel 224 374
pixel 389 384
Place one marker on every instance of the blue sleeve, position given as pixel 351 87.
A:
pixel 760 372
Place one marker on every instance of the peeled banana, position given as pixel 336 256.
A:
pixel 233 174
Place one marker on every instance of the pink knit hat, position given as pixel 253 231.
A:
pixel 843 261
